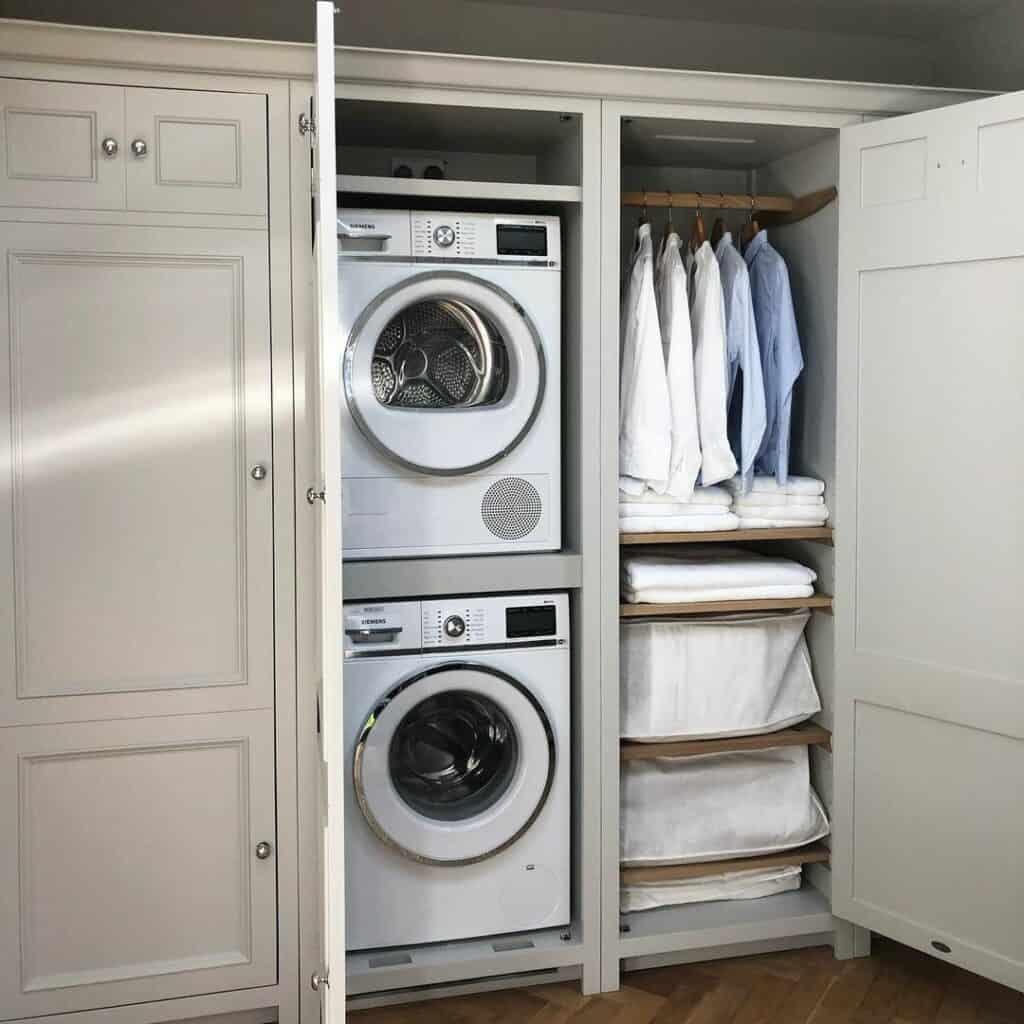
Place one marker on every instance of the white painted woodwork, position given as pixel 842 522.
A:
pixel 328 399
pixel 206 152
pixel 51 136
pixel 929 728
pixel 128 872
pixel 134 399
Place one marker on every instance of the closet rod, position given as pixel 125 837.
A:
pixel 815 853
pixel 771 209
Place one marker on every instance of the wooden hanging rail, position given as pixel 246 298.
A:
pixel 816 533
pixel 770 209
pixel 770 604
pixel 815 853
pixel 806 734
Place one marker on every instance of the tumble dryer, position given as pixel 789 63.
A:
pixel 457 814
pixel 451 374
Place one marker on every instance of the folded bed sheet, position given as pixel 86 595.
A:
pixel 732 885
pixel 769 485
pixel 678 524
pixel 801 513
pixel 714 495
pixel 668 595
pixel 727 675
pixel 762 498
pixel 674 508
pixel 746 523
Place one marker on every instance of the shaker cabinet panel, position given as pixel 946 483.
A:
pixel 200 152
pixel 61 145
pixel 131 870
pixel 136 530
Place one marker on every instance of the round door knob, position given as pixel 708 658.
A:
pixel 109 147
pixel 263 850
pixel 139 147
pixel 258 472
pixel 454 626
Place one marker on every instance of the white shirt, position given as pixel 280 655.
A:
pixel 677 343
pixel 710 368
pixel 747 424
pixel 645 425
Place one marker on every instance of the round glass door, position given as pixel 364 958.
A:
pixel 444 373
pixel 454 764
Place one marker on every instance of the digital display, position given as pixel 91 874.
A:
pixel 522 240
pixel 539 620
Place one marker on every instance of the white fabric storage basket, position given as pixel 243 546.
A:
pixel 681 810
pixel 731 675
pixel 733 885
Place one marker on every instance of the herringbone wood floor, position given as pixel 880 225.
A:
pixel 895 986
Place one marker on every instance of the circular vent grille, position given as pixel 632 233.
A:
pixel 511 508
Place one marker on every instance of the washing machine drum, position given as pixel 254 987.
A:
pixel 444 373
pixel 454 764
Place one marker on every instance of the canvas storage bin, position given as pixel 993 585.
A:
pixel 730 675
pixel 732 885
pixel 681 810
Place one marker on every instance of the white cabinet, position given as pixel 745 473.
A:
pixel 131 868
pixel 95 147
pixel 60 145
pixel 136 530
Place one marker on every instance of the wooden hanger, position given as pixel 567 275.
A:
pixel 698 235
pixel 751 228
pixel 718 228
pixel 669 225
pixel 643 211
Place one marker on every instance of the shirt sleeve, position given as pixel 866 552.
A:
pixel 753 416
pixel 790 363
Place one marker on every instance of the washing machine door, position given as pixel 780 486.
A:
pixel 454 764
pixel 444 372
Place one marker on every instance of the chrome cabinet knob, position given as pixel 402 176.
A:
pixel 139 147
pixel 263 850
pixel 109 147
pixel 258 472
pixel 318 980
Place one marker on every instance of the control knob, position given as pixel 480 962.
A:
pixel 444 236
pixel 454 626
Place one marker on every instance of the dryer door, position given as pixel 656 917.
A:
pixel 444 372
pixel 454 764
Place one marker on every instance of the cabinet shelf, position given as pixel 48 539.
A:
pixel 815 853
pixel 822 534
pixel 822 602
pixel 804 735
pixel 432 188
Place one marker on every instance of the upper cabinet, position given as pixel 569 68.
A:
pixel 105 147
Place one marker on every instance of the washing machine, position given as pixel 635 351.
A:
pixel 451 375
pixel 457 814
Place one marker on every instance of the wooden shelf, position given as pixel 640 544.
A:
pixel 816 533
pixel 366 184
pixel 815 853
pixel 772 210
pixel 771 604
pixel 804 735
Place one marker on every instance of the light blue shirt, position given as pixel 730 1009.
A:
pixel 781 358
pixel 748 418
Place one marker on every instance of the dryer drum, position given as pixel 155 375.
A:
pixel 439 354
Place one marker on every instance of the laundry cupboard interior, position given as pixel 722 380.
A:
pixel 172 605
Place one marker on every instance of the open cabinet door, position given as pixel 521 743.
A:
pixel 929 737
pixel 325 242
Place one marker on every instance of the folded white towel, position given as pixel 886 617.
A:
pixel 712 567
pixel 677 524
pixel 750 523
pixel 642 508
pixel 768 484
pixel 763 498
pixel 671 595
pixel 800 513
pixel 700 496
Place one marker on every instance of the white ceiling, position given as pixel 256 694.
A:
pixel 916 19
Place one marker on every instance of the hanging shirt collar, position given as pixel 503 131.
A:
pixel 723 243
pixel 757 243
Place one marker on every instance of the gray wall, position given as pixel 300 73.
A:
pixel 987 53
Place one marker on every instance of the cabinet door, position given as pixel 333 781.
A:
pixel 198 152
pixel 129 870
pixel 136 544
pixel 929 742
pixel 52 138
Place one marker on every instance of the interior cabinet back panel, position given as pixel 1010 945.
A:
pixel 205 152
pixel 128 872
pixel 51 145
pixel 135 386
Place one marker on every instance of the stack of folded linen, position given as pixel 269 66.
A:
pixel 706 509
pixel 712 574
pixel 768 504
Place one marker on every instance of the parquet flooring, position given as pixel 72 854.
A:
pixel 895 985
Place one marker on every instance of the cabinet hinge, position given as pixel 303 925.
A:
pixel 307 126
